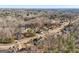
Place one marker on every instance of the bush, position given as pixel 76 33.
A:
pixel 6 40
pixel 29 33
pixel 68 44
pixel 62 45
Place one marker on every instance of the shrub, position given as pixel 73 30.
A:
pixel 63 45
pixel 68 44
pixel 29 33
pixel 6 40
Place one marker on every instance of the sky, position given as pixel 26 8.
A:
pixel 39 6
